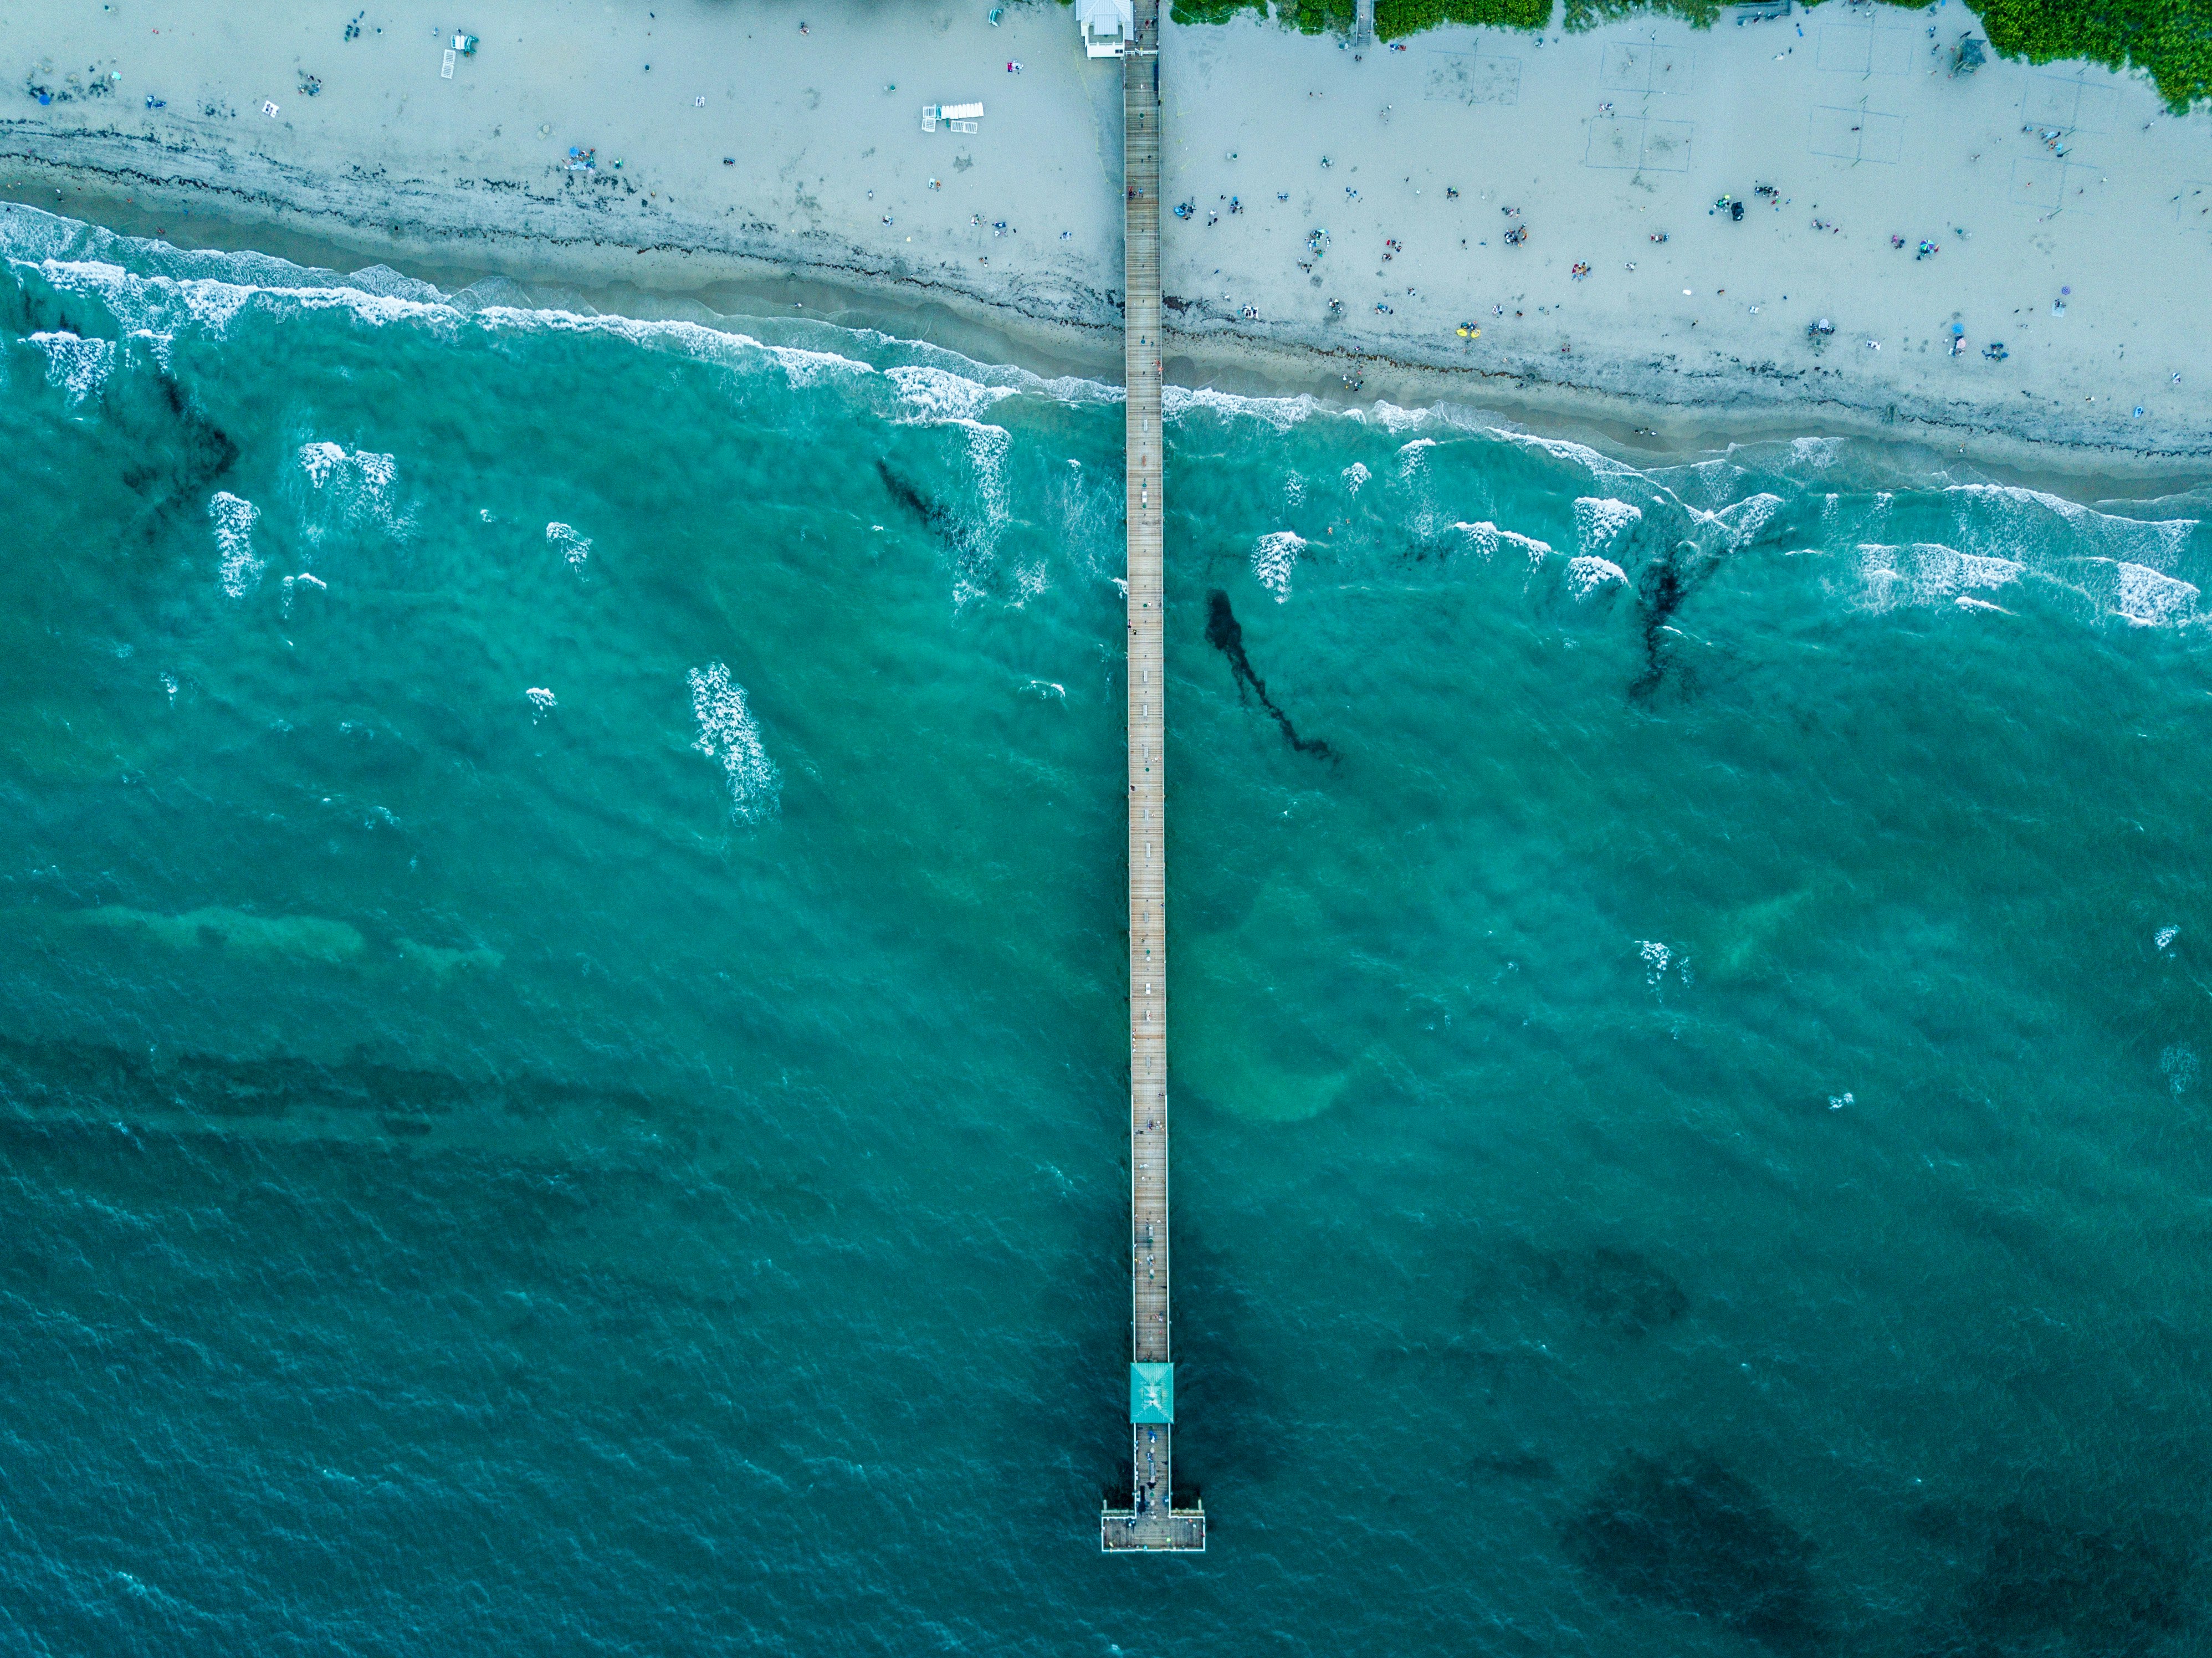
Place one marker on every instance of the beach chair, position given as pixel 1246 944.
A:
pixel 931 115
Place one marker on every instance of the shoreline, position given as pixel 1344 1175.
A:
pixel 774 166
pixel 758 188
pixel 720 289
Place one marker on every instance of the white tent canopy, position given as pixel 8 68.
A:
pixel 1107 26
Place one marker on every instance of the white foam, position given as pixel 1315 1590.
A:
pixel 1713 480
pixel 1274 556
pixel 1485 538
pixel 1354 476
pixel 1747 517
pixel 1534 551
pixel 726 347
pixel 541 702
pixel 167 305
pixel 78 365
pixel 237 566
pixel 1925 572
pixel 2151 598
pixel 293 584
pixel 1294 489
pixel 1063 388
pixel 2163 938
pixel 1656 956
pixel 728 734
pixel 987 454
pixel 1587 574
pixel 2009 516
pixel 164 305
pixel 320 462
pixel 349 487
pixel 940 394
pixel 1411 456
pixel 1391 418
pixel 1582 455
pixel 1480 539
pixel 1029 581
pixel 1281 413
pixel 1601 521
pixel 575 548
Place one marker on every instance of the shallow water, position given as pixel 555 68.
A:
pixel 562 1008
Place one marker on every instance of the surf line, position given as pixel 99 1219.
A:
pixel 1152 1522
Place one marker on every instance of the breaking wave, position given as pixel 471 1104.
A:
pixel 729 735
pixel 1274 556
pixel 238 567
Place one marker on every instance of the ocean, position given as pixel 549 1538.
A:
pixel 563 1009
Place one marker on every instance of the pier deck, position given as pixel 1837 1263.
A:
pixel 1152 1522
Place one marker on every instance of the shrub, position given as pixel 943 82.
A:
pixel 1316 16
pixel 2171 38
pixel 1588 14
pixel 1212 11
pixel 1397 18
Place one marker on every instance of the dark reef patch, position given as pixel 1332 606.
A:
pixel 2049 1587
pixel 210 452
pixel 934 517
pixel 971 555
pixel 1453 1360
pixel 1604 1287
pixel 1660 592
pixel 1510 1465
pixel 88 1077
pixel 1688 1533
pixel 1226 635
pixel 1614 1288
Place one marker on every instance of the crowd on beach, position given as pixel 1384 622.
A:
pixel 1374 236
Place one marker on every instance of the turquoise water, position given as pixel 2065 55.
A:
pixel 562 1009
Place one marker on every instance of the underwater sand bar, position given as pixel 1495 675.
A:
pixel 1152 1522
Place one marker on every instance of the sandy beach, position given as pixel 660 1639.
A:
pixel 2014 264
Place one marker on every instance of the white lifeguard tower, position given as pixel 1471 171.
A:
pixel 1107 26
pixel 953 117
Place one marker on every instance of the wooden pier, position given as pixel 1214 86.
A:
pixel 1152 1521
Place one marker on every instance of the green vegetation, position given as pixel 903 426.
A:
pixel 1214 11
pixel 1316 16
pixel 1395 18
pixel 2172 39
pixel 1588 14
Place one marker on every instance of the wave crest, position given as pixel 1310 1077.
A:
pixel 729 735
